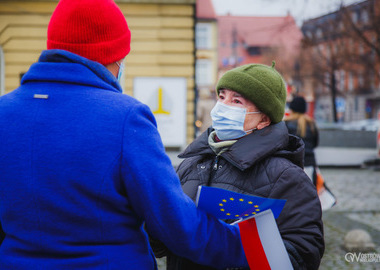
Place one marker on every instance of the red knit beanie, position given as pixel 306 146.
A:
pixel 94 29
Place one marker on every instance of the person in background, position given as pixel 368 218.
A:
pixel 206 102
pixel 83 169
pixel 302 125
pixel 248 150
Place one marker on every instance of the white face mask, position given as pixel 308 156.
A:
pixel 121 69
pixel 228 121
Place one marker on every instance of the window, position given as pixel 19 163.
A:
pixel 341 26
pixel 351 46
pixel 360 79
pixel 328 53
pixel 350 82
pixel 204 72
pixel 203 36
pixel 354 17
pixel 341 80
pixel 336 49
pixel 321 47
pixel 319 33
pixel 364 16
pixel 254 50
pixel 361 48
pixel 309 34
pixel 326 80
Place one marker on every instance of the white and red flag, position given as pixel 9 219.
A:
pixel 262 243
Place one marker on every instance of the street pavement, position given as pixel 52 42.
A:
pixel 358 207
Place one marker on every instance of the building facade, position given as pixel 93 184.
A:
pixel 206 67
pixel 341 62
pixel 243 40
pixel 206 44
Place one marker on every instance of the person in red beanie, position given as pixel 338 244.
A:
pixel 83 169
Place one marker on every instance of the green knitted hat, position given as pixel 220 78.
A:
pixel 261 84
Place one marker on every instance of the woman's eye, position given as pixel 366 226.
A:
pixel 221 97
pixel 237 101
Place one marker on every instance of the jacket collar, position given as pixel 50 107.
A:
pixel 272 140
pixel 66 67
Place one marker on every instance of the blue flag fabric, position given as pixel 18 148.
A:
pixel 225 204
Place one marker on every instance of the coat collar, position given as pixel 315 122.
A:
pixel 65 67
pixel 273 140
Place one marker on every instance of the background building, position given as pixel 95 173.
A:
pixel 206 43
pixel 206 68
pixel 341 62
pixel 244 40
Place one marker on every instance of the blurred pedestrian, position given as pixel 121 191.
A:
pixel 248 150
pixel 205 104
pixel 299 123
pixel 83 169
pixel 303 126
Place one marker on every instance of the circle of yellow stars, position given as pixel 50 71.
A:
pixel 224 202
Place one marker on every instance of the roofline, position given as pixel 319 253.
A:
pixel 350 7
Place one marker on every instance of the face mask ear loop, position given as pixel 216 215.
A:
pixel 251 130
pixel 121 68
pixel 246 131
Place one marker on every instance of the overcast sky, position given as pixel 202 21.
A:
pixel 300 9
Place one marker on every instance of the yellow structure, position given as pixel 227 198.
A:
pixel 162 42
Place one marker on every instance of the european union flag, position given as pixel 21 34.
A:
pixel 225 204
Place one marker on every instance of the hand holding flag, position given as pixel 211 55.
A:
pixel 262 242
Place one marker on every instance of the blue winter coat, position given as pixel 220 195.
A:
pixel 83 169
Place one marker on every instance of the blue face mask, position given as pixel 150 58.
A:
pixel 121 69
pixel 228 121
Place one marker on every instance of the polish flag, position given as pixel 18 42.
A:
pixel 262 243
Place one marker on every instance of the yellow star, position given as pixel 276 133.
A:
pixel 222 209
pixel 224 201
pixel 250 202
pixel 236 215
pixel 220 204
pixel 241 200
pixel 256 206
pixel 231 199
pixel 228 214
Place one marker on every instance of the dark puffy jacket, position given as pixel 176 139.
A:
pixel 311 141
pixel 267 163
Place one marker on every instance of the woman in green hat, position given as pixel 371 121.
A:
pixel 248 150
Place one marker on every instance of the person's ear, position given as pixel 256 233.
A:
pixel 265 121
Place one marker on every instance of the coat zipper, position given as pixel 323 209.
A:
pixel 213 171
pixel 215 167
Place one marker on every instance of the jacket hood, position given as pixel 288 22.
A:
pixel 273 140
pixel 65 67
